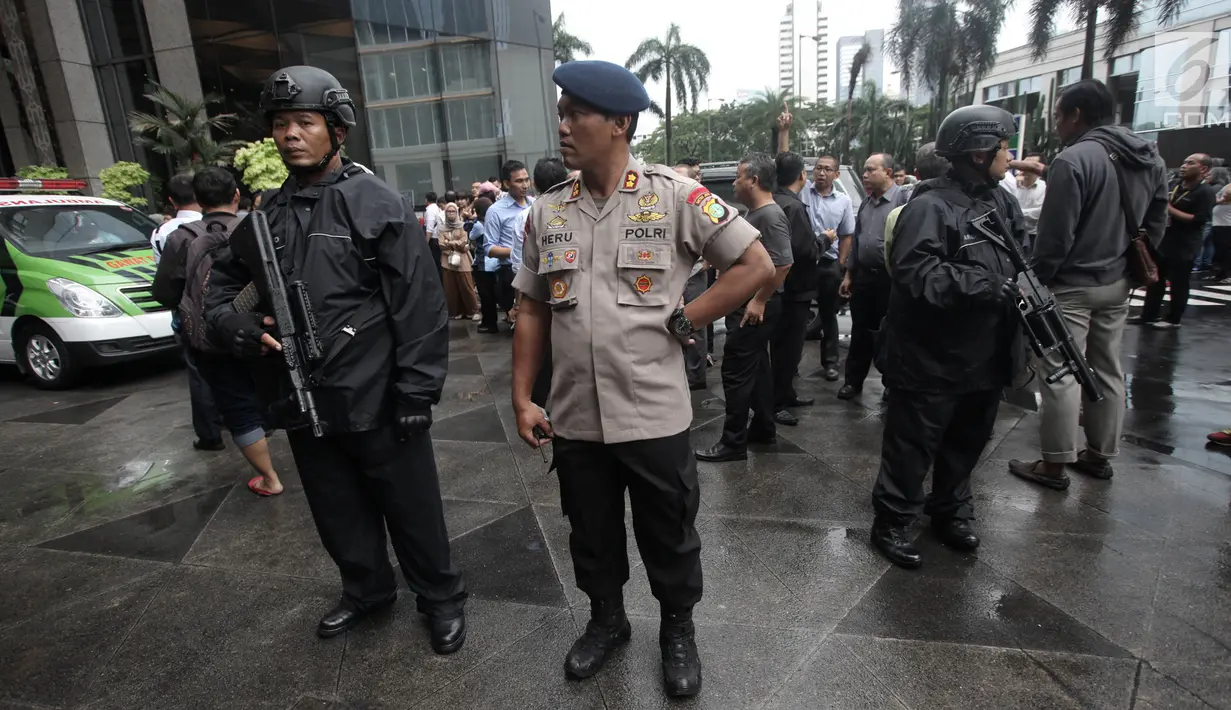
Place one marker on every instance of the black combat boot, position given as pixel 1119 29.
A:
pixel 681 665
pixel 607 630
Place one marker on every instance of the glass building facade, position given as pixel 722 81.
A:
pixel 452 88
pixel 447 90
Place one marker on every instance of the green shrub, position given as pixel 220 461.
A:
pixel 119 181
pixel 261 165
pixel 42 172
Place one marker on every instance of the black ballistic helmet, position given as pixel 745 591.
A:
pixel 304 88
pixel 973 129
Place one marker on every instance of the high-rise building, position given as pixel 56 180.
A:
pixel 445 91
pixel 822 54
pixel 786 50
pixel 873 69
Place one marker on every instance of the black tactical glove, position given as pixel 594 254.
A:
pixel 413 419
pixel 241 332
pixel 1009 291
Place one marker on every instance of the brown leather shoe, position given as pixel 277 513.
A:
pixel 1033 471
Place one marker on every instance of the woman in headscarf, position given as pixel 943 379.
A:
pixel 455 260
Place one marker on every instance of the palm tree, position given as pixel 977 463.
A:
pixel 1122 18
pixel 680 64
pixel 184 132
pixel 857 64
pixel 945 44
pixel 567 45
pixel 764 109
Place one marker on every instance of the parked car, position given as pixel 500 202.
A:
pixel 719 179
pixel 76 274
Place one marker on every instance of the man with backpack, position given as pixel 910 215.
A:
pixel 181 283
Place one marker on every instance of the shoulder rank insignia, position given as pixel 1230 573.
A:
pixel 631 180
pixel 643 217
pixel 648 200
pixel 576 192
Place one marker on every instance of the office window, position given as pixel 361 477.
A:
pixel 1068 76
pixel 1218 96
pixel 466 67
pixel 471 119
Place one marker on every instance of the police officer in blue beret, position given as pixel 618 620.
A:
pixel 605 260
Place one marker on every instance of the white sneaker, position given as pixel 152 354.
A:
pixel 1165 325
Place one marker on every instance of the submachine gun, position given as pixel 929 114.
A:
pixel 1040 316
pixel 297 329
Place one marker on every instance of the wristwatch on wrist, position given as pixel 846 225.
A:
pixel 680 326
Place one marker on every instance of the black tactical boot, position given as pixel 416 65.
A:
pixel 608 630
pixel 681 665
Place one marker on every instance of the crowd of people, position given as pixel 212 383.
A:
pixel 611 281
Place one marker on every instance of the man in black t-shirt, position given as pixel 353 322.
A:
pixel 1191 204
pixel 747 378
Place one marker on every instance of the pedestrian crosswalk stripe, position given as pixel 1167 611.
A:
pixel 1202 293
pixel 1138 302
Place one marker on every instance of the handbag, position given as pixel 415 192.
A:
pixel 1142 269
pixel 455 259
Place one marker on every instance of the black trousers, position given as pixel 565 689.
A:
pixel 748 378
pixel 786 347
pixel 506 295
pixel 1178 273
pixel 945 432
pixel 827 310
pixel 206 421
pixel 661 478
pixel 358 485
pixel 1221 236
pixel 869 303
pixel 695 362
pixel 485 281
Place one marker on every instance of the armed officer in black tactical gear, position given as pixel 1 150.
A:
pixel 380 311
pixel 952 336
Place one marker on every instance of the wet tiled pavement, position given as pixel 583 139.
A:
pixel 139 573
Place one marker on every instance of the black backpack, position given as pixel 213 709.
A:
pixel 211 239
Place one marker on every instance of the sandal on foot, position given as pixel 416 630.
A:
pixel 1030 471
pixel 252 486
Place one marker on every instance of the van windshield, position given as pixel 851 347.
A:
pixel 58 231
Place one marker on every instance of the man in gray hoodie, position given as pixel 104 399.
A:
pixel 1081 255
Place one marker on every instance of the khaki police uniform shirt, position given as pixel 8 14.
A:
pixel 612 278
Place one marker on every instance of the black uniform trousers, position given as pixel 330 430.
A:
pixel 869 303
pixel 661 478
pixel 786 347
pixel 695 355
pixel 748 378
pixel 359 484
pixel 942 431
pixel 827 309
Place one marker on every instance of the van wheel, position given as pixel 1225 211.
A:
pixel 47 361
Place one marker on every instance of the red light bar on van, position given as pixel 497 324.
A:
pixel 22 185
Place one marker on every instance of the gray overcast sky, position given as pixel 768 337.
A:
pixel 740 37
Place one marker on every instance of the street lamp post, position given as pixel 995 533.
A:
pixel 709 126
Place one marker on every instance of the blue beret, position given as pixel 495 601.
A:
pixel 608 87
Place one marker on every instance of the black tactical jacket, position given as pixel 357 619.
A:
pixel 373 284
pixel 949 328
